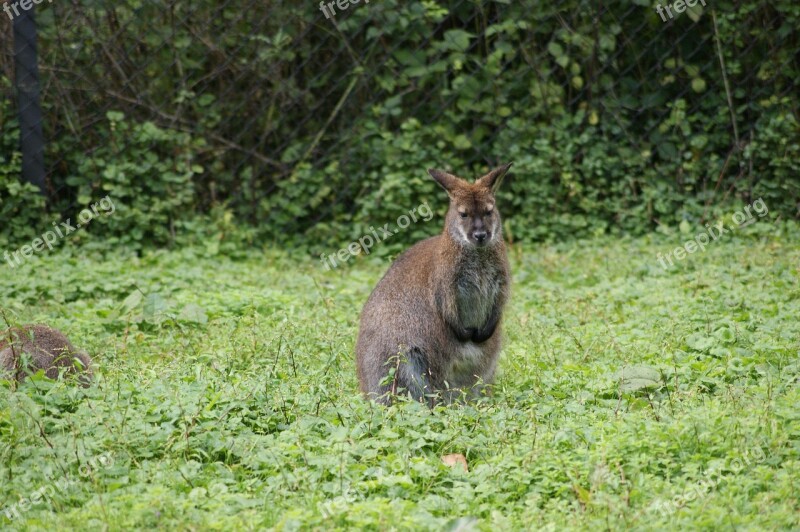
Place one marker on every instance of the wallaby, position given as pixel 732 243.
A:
pixel 432 324
pixel 42 348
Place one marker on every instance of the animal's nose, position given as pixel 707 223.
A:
pixel 480 236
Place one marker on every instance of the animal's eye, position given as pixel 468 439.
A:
pixel 463 215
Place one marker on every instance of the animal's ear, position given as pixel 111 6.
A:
pixel 86 372
pixel 493 179
pixel 85 360
pixel 447 181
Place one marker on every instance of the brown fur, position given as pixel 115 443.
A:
pixel 44 348
pixel 434 318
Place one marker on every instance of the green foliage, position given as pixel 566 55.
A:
pixel 313 130
pixel 609 133
pixel 629 396
pixel 148 174
pixel 21 204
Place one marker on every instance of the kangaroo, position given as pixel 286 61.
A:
pixel 44 348
pixel 432 324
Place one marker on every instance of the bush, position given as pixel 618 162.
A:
pixel 313 130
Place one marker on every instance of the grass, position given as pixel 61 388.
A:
pixel 629 396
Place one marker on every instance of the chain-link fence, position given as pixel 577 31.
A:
pixel 292 113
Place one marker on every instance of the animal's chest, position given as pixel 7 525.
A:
pixel 475 297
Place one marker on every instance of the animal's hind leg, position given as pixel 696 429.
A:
pixel 411 376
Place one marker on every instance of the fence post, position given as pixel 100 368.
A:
pixel 30 112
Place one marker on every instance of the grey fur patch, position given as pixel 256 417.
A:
pixel 6 363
